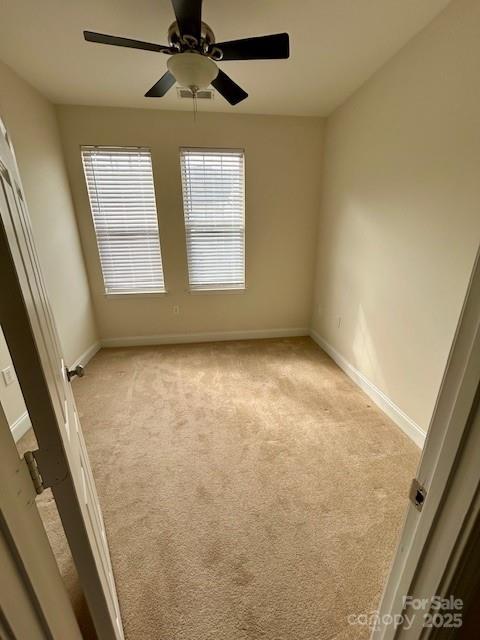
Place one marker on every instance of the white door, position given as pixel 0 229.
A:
pixel 61 458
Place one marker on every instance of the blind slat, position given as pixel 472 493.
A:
pixel 122 202
pixel 213 185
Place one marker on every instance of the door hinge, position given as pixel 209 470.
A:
pixel 417 494
pixel 34 471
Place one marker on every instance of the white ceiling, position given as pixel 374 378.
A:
pixel 335 46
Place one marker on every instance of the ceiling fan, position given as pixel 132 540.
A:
pixel 194 53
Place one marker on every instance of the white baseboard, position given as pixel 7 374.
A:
pixel 406 424
pixel 20 427
pixel 180 338
pixel 87 355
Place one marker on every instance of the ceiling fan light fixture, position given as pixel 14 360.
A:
pixel 192 70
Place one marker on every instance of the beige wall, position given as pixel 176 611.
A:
pixel 11 397
pixel 282 196
pixel 400 221
pixel 31 123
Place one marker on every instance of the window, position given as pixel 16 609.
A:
pixel 122 201
pixel 214 206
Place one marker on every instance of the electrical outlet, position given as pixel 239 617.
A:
pixel 176 309
pixel 8 376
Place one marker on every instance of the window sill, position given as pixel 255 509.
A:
pixel 135 294
pixel 199 292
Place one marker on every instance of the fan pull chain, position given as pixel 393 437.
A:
pixel 195 106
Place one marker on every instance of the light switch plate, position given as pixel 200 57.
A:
pixel 8 376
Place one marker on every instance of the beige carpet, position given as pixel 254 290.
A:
pixel 250 490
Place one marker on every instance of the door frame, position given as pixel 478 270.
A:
pixel 433 543
pixel 33 600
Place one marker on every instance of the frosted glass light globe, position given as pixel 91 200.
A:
pixel 192 70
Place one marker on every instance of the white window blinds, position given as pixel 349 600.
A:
pixel 213 186
pixel 122 201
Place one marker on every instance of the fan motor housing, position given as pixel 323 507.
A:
pixel 207 37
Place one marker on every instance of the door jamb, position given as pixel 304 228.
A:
pixel 33 598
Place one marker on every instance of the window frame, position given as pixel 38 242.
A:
pixel 123 294
pixel 224 288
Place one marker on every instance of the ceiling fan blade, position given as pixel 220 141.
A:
pixel 229 89
pixel 271 47
pixel 102 38
pixel 161 87
pixel 189 17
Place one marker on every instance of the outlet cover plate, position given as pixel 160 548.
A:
pixel 8 376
